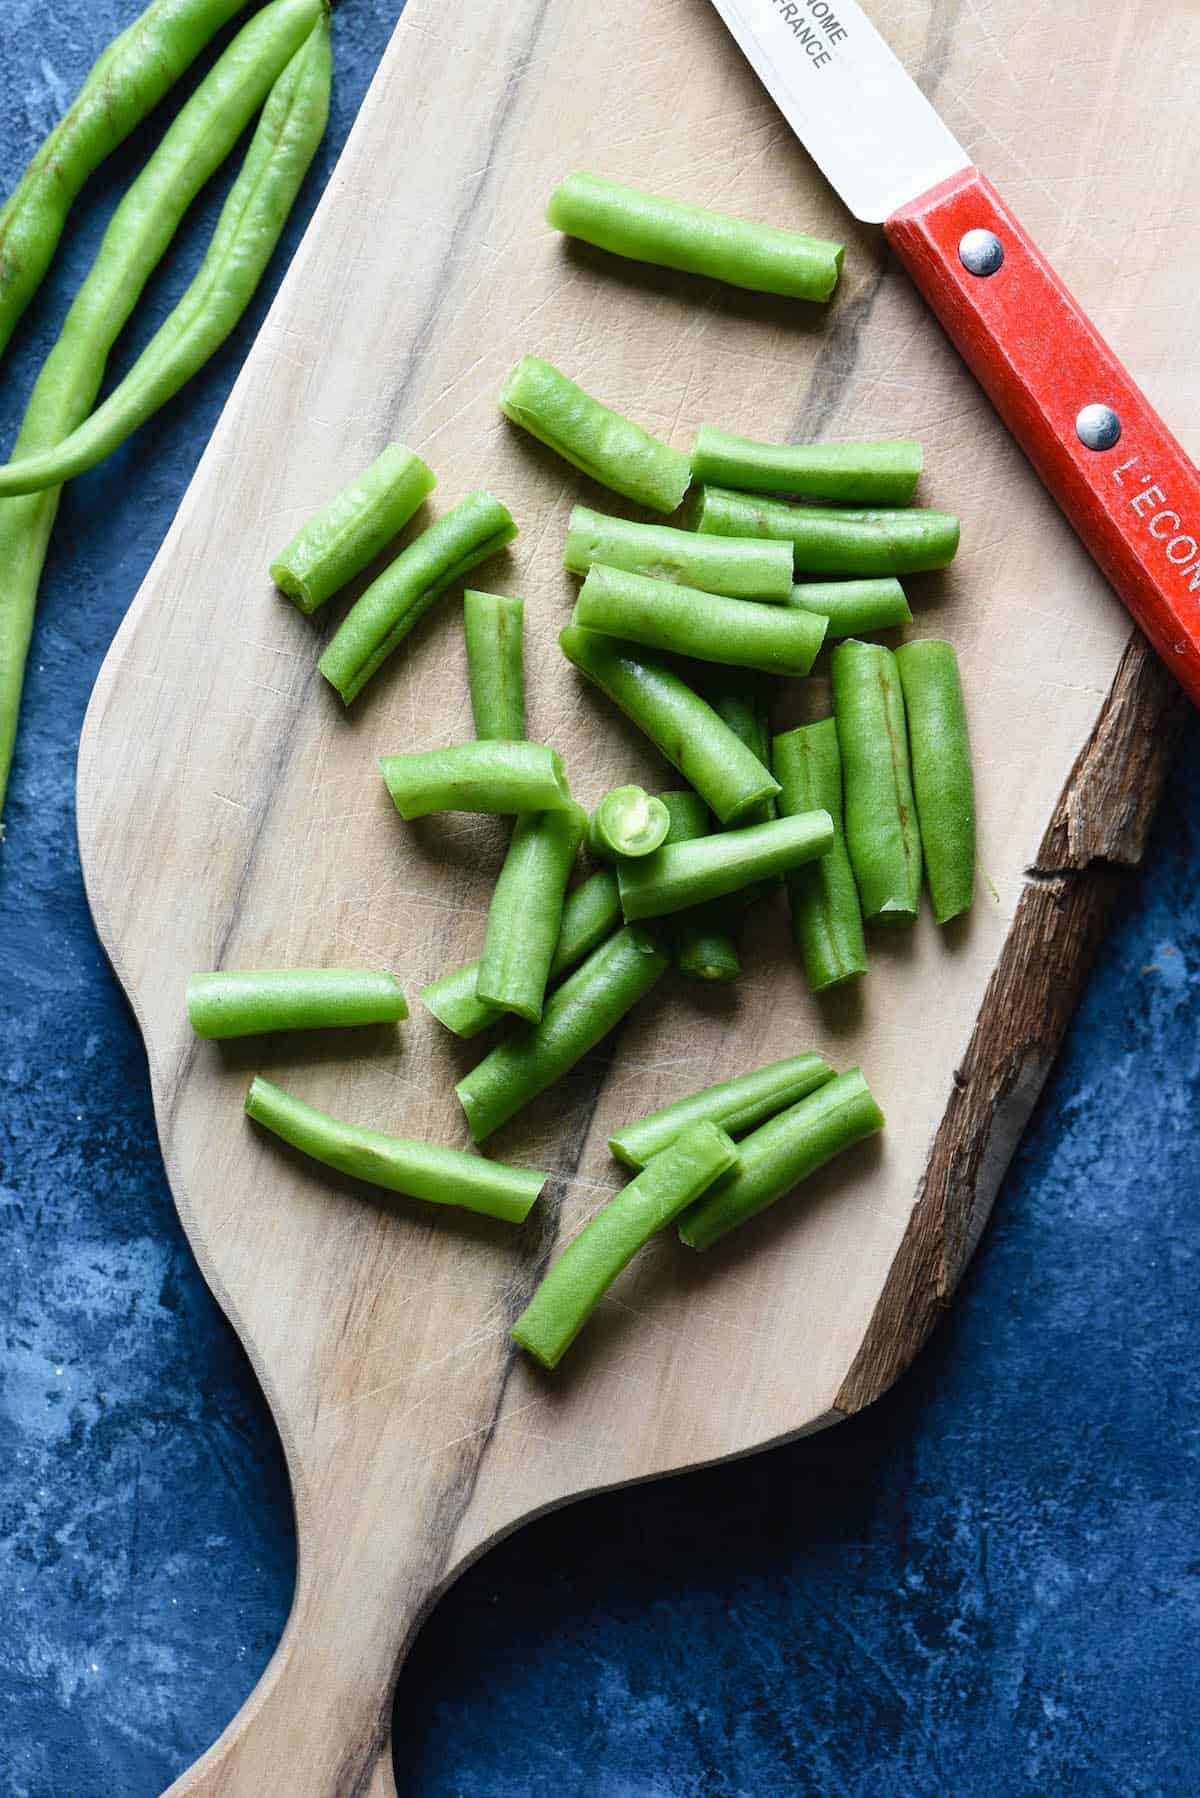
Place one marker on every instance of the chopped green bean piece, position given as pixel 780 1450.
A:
pixel 591 1261
pixel 741 701
pixel 943 783
pixel 627 821
pixel 826 916
pixel 853 608
pixel 252 1001
pixel 882 835
pixel 741 568
pixel 685 874
pixel 781 1153
pixel 737 1105
pixel 482 776
pixel 494 626
pixel 880 473
pixel 526 912
pixel 339 541
pixel 683 621
pixel 829 540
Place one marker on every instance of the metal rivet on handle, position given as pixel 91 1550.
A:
pixel 980 252
pixel 1097 427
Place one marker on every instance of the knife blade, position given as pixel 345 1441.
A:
pixel 1126 485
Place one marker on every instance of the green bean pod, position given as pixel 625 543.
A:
pixel 384 615
pixel 781 1153
pixel 943 783
pixel 481 776
pixel 737 1105
pixel 253 1001
pixel 601 443
pixel 591 1261
pixel 591 913
pixel 686 874
pixel 129 79
pixel 627 821
pixel 740 700
pixel 701 943
pixel 826 916
pixel 854 608
pixel 525 915
pixel 884 472
pixel 420 1170
pixel 494 625
pixel 578 1014
pixel 648 228
pixel 739 567
pixel 338 541
pixel 829 540
pixel 738 633
pixel 681 725
pixel 882 836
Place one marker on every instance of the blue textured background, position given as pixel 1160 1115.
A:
pixel 989 1584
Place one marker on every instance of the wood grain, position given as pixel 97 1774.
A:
pixel 230 814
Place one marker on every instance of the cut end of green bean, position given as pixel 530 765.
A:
pixel 500 778
pixel 254 1001
pixel 706 953
pixel 627 822
pixel 455 1002
pixel 339 541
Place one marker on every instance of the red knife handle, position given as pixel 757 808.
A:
pixel 1134 504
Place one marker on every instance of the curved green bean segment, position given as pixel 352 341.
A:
pixel 420 1170
pixel 943 783
pixel 382 617
pixel 702 946
pixel 591 1261
pixel 882 835
pixel 494 625
pixel 340 539
pixel 684 874
pixel 741 701
pixel 253 1001
pixel 579 1014
pixel 648 228
pixel 627 821
pixel 738 633
pixel 880 473
pixel 525 915
pixel 604 445
pixel 781 1153
pixel 130 78
pixel 481 776
pixel 591 913
pixel 828 540
pixel 737 1105
pixel 853 608
pixel 826 916
pixel 681 725
pixel 195 144
pixel 739 567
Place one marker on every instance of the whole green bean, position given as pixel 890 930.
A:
pixel 627 821
pixel 943 783
pixel 882 835
pixel 420 1170
pixel 591 913
pixel 740 567
pixel 880 473
pixel 852 608
pixel 826 916
pixel 681 725
pixel 195 144
pixel 482 776
pixel 579 1014
pixel 130 78
pixel 684 874
pixel 829 540
pixel 604 445
pixel 340 539
pixel 253 1001
pixel 494 626
pixel 737 1105
pixel 741 701
pixel 591 1261
pixel 701 943
pixel 739 633
pixel 525 915
pixel 382 617
pixel 781 1153
pixel 649 228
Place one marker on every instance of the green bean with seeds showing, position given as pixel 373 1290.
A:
pixel 627 821
pixel 693 239
pixel 739 567
pixel 781 1153
pixel 591 1261
pixel 384 615
pixel 830 540
pixel 601 443
pixel 884 472
pixel 420 1170
pixel 494 626
pixel 681 725
pixel 254 1001
pixel 683 621
pixel 943 783
pixel 701 944
pixel 882 835
pixel 338 542
pixel 854 608
pixel 737 1105
pixel 525 915
pixel 826 915
pixel 482 776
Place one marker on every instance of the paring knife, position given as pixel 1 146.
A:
pixel 1122 479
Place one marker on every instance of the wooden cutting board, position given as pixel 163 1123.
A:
pixel 230 814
